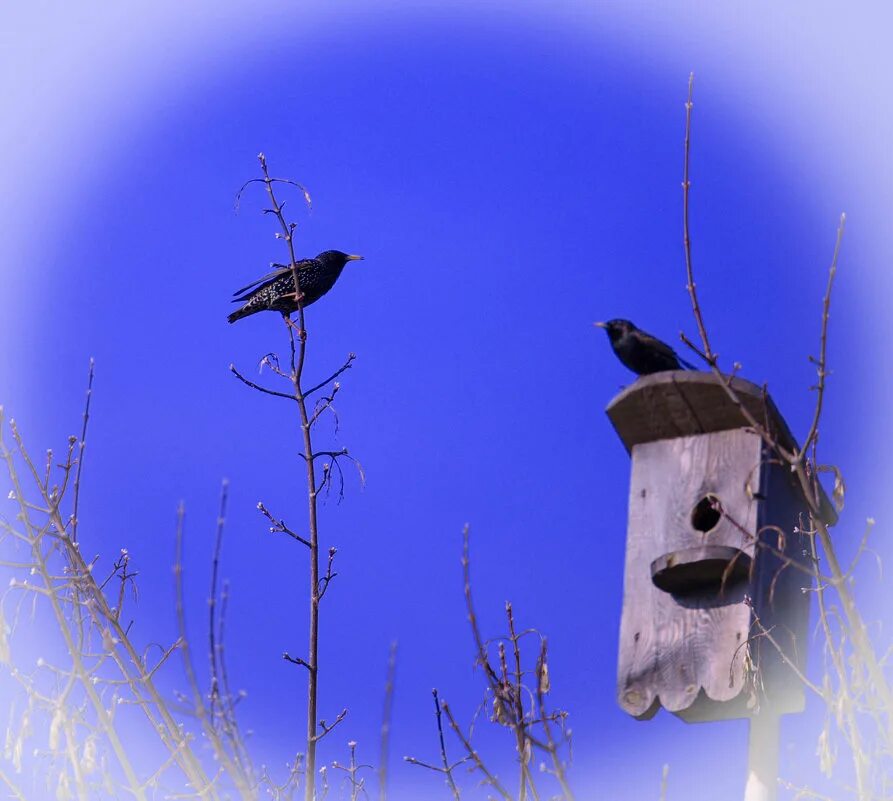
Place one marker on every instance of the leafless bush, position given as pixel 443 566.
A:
pixel 515 696
pixel 71 730
pixel 854 680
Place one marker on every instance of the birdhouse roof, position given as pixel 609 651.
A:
pixel 681 403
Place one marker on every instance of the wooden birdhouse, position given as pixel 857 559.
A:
pixel 714 557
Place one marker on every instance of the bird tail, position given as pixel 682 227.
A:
pixel 685 364
pixel 238 314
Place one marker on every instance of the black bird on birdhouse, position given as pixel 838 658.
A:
pixel 641 352
pixel 276 290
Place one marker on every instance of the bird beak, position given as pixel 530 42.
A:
pixel 600 325
pixel 354 258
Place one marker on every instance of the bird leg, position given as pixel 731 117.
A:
pixel 299 332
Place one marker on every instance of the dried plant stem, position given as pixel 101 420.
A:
pixel 82 445
pixel 78 667
pixel 522 738
pixel 507 688
pixel 352 773
pixel 847 706
pixel 558 767
pixel 482 660
pixel 664 778
pixel 14 791
pixel 83 583
pixel 474 755
pixel 212 605
pixel 447 767
pixel 200 708
pixel 385 738
pixel 85 595
pixel 220 699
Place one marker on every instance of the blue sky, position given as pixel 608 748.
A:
pixel 509 177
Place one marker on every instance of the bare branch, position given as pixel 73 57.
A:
pixel 83 443
pixel 473 755
pixel 296 660
pixel 326 728
pixel 279 527
pixel 351 357
pixel 214 663
pixel 258 387
pixel 822 364
pixel 708 354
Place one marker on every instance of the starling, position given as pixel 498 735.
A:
pixel 641 352
pixel 276 290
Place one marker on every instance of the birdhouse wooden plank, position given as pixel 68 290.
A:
pixel 714 557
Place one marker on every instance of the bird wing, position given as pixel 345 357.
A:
pixel 241 294
pixel 661 347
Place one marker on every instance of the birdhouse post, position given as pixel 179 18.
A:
pixel 715 615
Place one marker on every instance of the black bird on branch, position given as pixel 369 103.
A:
pixel 641 352
pixel 276 290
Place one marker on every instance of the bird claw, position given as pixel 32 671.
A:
pixel 300 332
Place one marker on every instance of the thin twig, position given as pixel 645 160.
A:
pixel 279 526
pixel 326 728
pixel 351 357
pixel 258 387
pixel 542 687
pixel 473 754
pixel 214 664
pixel 447 768
pixel 83 443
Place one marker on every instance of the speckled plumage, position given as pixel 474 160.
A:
pixel 276 290
pixel 641 352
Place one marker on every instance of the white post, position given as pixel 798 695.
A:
pixel 762 762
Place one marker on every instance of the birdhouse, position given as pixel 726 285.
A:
pixel 714 554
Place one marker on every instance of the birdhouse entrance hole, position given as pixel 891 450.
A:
pixel 706 514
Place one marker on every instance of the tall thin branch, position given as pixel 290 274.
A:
pixel 385 738
pixel 213 659
pixel 877 690
pixel 81 447
pixel 447 767
pixel 686 188
pixel 297 339
pixel 822 363
pixel 475 757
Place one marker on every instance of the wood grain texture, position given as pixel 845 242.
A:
pixel 680 403
pixel 673 647
pixel 699 653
